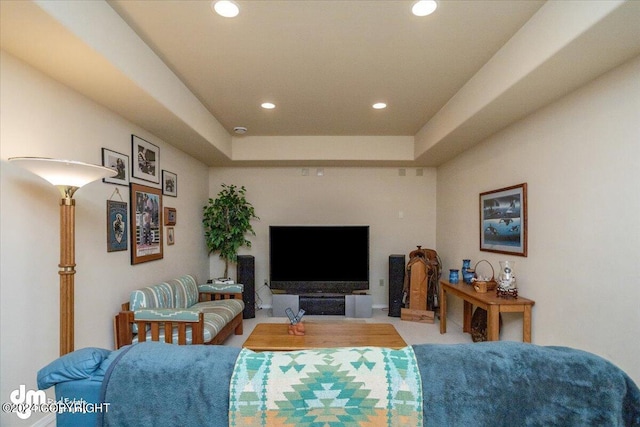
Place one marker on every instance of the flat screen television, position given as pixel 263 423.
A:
pixel 319 259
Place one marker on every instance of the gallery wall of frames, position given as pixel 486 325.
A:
pixel 142 221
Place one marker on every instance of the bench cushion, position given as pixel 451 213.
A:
pixel 167 314
pixel 227 288
pixel 185 291
pixel 216 316
pixel 218 313
pixel 155 296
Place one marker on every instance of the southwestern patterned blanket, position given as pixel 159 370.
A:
pixel 327 387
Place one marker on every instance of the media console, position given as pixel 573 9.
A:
pixel 349 305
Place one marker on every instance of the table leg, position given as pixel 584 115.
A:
pixel 443 310
pixel 526 324
pixel 467 314
pixel 493 323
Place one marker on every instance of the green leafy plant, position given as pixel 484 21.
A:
pixel 227 220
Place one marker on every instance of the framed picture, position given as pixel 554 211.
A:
pixel 146 224
pixel 503 220
pixel 169 184
pixel 169 216
pixel 171 238
pixel 116 226
pixel 119 163
pixel 146 160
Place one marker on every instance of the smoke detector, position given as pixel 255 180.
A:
pixel 240 130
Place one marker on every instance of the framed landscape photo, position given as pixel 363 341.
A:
pixel 146 223
pixel 119 163
pixel 116 226
pixel 503 220
pixel 169 184
pixel 146 160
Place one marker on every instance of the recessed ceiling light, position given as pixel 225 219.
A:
pixel 268 105
pixel 379 105
pixel 226 8
pixel 424 7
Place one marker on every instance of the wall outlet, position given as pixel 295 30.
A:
pixel 381 282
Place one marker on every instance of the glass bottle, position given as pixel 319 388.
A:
pixel 507 277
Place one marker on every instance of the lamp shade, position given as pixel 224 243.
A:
pixel 63 173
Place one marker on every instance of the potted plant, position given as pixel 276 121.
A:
pixel 226 220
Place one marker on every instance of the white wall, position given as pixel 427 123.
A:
pixel 579 156
pixel 368 196
pixel 581 159
pixel 43 118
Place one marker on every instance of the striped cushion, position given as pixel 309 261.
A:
pixel 212 288
pixel 218 313
pixel 216 316
pixel 167 314
pixel 155 296
pixel 185 291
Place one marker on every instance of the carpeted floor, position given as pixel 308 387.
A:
pixel 411 332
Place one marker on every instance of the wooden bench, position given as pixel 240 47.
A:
pixel 187 325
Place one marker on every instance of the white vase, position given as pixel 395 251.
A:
pixel 507 277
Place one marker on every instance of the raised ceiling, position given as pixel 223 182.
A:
pixel 324 63
pixel 449 79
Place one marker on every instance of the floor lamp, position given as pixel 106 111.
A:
pixel 68 176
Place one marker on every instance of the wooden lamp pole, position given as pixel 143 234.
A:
pixel 67 271
pixel 68 176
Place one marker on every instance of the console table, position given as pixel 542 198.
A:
pixel 493 304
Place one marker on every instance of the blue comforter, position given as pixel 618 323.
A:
pixel 481 384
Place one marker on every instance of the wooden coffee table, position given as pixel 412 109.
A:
pixel 275 336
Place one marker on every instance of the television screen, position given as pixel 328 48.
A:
pixel 327 259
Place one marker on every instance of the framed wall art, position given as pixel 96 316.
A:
pixel 169 184
pixel 503 220
pixel 116 226
pixel 146 223
pixel 146 160
pixel 171 237
pixel 119 163
pixel 170 216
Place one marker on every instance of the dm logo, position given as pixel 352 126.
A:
pixel 25 400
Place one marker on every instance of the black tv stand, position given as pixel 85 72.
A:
pixel 329 304
pixel 350 305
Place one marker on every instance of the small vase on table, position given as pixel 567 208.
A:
pixel 453 276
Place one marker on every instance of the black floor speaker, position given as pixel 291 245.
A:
pixel 396 284
pixel 246 275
